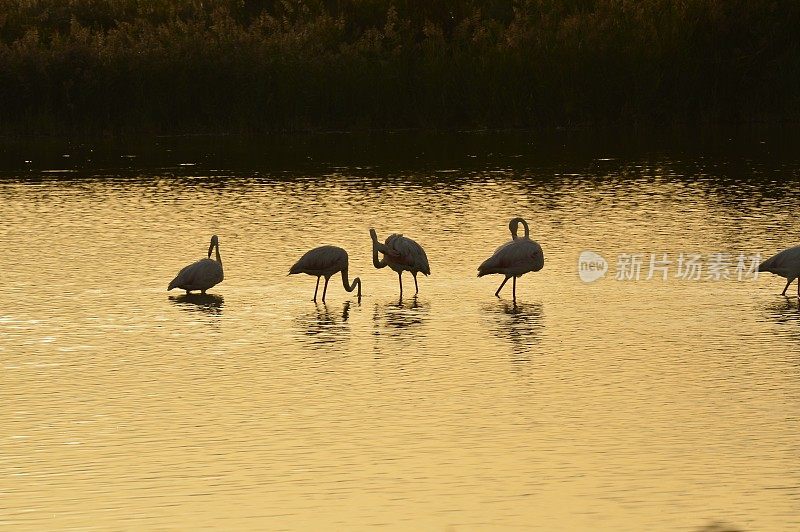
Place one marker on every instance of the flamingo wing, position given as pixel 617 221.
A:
pixel 407 252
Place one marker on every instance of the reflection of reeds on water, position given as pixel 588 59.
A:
pixel 324 325
pixel 211 304
pixel 401 315
pixel 520 324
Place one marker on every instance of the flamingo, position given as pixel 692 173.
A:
pixel 785 264
pixel 200 275
pixel 515 258
pixel 325 261
pixel 400 253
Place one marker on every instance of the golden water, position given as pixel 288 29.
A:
pixel 649 405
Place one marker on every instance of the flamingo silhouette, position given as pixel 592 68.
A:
pixel 515 258
pixel 200 275
pixel 785 264
pixel 325 261
pixel 401 254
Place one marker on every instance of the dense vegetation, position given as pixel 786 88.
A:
pixel 250 65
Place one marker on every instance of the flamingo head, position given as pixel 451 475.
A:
pixel 214 242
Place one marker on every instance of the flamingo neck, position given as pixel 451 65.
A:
pixel 376 246
pixel 514 223
pixel 348 286
pixel 525 225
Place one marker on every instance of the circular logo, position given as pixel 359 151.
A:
pixel 591 266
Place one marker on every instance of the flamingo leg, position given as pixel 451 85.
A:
pixel 515 289
pixel 315 291
pixel 787 286
pixel 417 286
pixel 497 294
pixel 400 277
pixel 325 290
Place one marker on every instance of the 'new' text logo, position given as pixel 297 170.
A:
pixel 591 266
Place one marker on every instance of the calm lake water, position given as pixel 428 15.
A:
pixel 613 405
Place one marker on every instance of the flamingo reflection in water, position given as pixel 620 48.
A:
pixel 211 304
pixel 324 325
pixel 519 324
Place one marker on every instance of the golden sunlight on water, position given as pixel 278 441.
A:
pixel 615 405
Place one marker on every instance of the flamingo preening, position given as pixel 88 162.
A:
pixel 515 258
pixel 325 261
pixel 401 254
pixel 785 264
pixel 200 275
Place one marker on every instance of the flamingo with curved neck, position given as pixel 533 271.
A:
pixel 401 254
pixel 513 225
pixel 325 261
pixel 515 258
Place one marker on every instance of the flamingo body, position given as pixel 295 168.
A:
pixel 515 258
pixel 785 264
pixel 404 254
pixel 325 261
pixel 200 275
pixel 401 254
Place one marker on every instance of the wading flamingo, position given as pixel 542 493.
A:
pixel 515 258
pixel 786 264
pixel 200 275
pixel 400 254
pixel 325 261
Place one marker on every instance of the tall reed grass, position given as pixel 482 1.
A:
pixel 244 65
